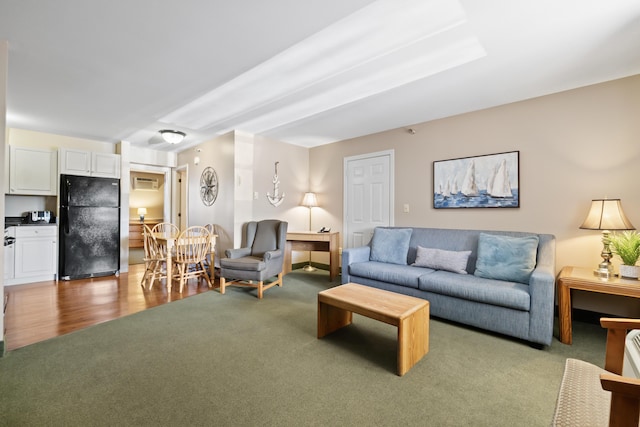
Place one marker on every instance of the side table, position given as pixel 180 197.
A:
pixel 583 279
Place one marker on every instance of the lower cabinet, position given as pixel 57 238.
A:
pixel 35 254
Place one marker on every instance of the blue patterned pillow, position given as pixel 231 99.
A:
pixel 506 257
pixel 390 245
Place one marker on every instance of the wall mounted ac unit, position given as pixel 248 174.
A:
pixel 143 183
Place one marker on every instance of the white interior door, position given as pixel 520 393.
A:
pixel 368 196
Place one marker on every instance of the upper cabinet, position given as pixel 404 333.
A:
pixel 32 171
pixel 88 163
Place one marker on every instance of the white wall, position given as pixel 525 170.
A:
pixel 574 146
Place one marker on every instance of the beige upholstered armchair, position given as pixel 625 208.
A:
pixel 592 396
pixel 260 257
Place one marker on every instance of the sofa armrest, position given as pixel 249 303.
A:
pixel 353 255
pixel 237 253
pixel 542 292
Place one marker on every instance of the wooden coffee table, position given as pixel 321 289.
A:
pixel 411 315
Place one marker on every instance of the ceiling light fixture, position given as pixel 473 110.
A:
pixel 172 136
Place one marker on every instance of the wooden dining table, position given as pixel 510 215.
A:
pixel 169 240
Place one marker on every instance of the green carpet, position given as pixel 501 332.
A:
pixel 233 360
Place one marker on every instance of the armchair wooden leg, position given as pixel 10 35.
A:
pixel 260 290
pixel 222 285
pixel 280 279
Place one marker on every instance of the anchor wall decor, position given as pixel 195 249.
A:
pixel 277 198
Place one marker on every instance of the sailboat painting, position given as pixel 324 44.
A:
pixel 488 181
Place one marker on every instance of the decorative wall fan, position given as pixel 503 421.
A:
pixel 208 186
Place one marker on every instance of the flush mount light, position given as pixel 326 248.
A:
pixel 172 136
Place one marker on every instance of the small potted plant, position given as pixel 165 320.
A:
pixel 627 246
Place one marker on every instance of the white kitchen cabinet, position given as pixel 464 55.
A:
pixel 35 253
pixel 33 171
pixel 88 163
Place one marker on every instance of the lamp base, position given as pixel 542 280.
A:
pixel 604 270
pixel 308 267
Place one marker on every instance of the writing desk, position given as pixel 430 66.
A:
pixel 312 241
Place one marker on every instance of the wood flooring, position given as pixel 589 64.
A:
pixel 39 311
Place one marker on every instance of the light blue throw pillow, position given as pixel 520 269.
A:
pixel 390 245
pixel 506 258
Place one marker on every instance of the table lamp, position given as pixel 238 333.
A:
pixel 311 201
pixel 142 212
pixel 606 215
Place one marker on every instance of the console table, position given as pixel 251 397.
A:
pixel 583 279
pixel 312 241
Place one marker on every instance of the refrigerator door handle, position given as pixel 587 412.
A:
pixel 67 184
pixel 65 218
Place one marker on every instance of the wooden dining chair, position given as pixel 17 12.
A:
pixel 210 260
pixel 154 258
pixel 166 227
pixel 191 248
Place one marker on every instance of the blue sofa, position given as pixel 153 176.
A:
pixel 478 294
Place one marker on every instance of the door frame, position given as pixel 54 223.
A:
pixel 387 153
pixel 177 190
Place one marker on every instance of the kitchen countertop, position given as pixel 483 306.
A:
pixel 18 221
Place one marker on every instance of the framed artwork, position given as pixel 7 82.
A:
pixel 488 181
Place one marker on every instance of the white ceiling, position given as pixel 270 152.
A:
pixel 304 72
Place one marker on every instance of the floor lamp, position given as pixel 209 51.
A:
pixel 311 201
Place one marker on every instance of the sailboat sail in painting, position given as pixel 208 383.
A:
pixel 500 185
pixel 489 181
pixel 469 187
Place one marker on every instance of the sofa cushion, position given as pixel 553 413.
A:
pixel 506 257
pixel 390 245
pixel 495 292
pixel 404 275
pixel 439 259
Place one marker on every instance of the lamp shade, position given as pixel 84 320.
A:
pixel 606 214
pixel 172 136
pixel 310 200
pixel 142 211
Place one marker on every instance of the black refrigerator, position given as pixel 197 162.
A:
pixel 89 227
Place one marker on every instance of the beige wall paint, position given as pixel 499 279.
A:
pixel 152 200
pixel 245 166
pixel 29 138
pixel 293 173
pixel 574 146
pixel 4 66
pixel 217 153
